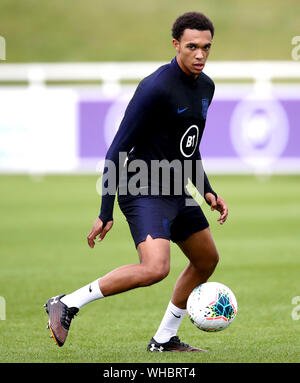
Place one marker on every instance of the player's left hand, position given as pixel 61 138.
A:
pixel 218 204
pixel 98 229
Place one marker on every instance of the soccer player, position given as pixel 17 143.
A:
pixel 164 121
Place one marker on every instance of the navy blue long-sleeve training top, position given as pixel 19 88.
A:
pixel 164 120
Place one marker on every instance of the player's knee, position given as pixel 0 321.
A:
pixel 159 273
pixel 214 259
pixel 155 274
pixel 208 263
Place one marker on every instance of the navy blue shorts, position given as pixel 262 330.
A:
pixel 162 217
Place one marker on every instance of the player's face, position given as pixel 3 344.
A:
pixel 192 50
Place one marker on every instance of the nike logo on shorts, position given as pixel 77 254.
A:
pixel 182 110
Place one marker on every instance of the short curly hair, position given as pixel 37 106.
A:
pixel 191 20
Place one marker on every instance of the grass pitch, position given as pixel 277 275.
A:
pixel 43 228
pixel 93 30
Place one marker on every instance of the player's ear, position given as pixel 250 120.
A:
pixel 175 44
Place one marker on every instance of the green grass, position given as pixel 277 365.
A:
pixel 93 30
pixel 43 228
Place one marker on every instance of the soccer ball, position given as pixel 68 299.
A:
pixel 211 306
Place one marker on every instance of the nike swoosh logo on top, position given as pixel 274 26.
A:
pixel 176 316
pixel 182 110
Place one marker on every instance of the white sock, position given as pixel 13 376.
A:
pixel 170 323
pixel 84 295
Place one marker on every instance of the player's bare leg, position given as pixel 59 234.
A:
pixel 203 256
pixel 201 251
pixel 154 255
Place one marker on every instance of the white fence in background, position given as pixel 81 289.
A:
pixel 115 72
pixel 48 113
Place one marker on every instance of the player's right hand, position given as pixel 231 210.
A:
pixel 98 229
